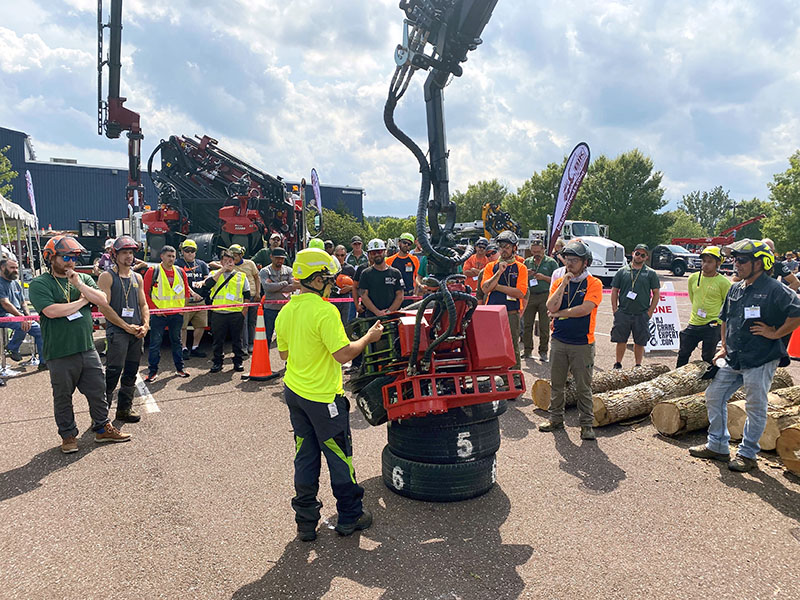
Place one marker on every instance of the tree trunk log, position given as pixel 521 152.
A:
pixel 638 400
pixel 782 404
pixel 601 382
pixel 688 413
pixel 788 447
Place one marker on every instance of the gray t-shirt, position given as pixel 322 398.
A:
pixel 274 284
pixel 12 290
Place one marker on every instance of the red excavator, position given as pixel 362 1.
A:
pixel 725 238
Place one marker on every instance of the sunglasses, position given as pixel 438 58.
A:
pixel 192 250
pixel 491 253
pixel 642 254
pixel 742 259
pixel 405 243
pixel 70 258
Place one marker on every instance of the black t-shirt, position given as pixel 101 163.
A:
pixel 406 268
pixel 780 269
pixel 382 286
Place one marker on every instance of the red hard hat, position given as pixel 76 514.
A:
pixel 61 245
pixel 124 242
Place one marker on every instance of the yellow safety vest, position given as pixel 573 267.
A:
pixel 231 293
pixel 165 295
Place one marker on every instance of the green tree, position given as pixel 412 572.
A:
pixel 683 225
pixel 747 209
pixel 709 208
pixel 535 198
pixel 626 194
pixel 392 227
pixel 7 174
pixel 784 190
pixel 470 203
pixel 340 228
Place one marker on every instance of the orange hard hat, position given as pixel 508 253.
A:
pixel 343 280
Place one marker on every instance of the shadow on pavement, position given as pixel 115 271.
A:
pixel 28 477
pixel 413 550
pixel 514 425
pixel 588 463
pixel 769 489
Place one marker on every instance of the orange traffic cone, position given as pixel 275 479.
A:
pixel 794 344
pixel 260 369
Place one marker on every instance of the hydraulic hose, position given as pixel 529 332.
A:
pixel 450 305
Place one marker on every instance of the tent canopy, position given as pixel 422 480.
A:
pixel 14 212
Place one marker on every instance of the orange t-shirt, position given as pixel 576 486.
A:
pixel 577 330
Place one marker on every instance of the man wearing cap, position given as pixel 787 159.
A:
pixel 261 257
pixel 406 263
pixel 475 263
pixel 540 268
pixel 380 286
pixel 250 270
pixel 635 291
pixel 13 304
pixel 196 272
pixel 505 282
pixel 707 291
pixel 356 257
pixel 278 285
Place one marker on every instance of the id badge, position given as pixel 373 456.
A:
pixel 631 295
pixel 409 268
pixel 333 410
pixel 73 316
pixel 127 312
pixel 511 298
pixel 533 282
pixel 178 288
pixel 701 313
pixel 752 312
pixel 230 297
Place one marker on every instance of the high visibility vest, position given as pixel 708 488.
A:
pixel 165 295
pixel 231 293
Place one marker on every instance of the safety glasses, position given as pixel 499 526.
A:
pixel 742 259
pixel 70 258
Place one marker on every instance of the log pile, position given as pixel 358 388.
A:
pixel 688 413
pixel 783 408
pixel 601 382
pixel 788 444
pixel 638 400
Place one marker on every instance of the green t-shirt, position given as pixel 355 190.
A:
pixel 311 330
pixel 61 336
pixel 546 267
pixel 707 295
pixel 639 282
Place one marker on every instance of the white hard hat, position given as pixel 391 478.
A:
pixel 376 244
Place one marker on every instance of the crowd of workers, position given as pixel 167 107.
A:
pixel 743 326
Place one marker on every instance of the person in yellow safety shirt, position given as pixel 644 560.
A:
pixel 227 286
pixel 312 339
pixel 707 291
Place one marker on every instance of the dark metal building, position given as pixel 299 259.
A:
pixel 67 192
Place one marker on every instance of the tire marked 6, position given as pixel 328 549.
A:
pixel 397 478
pixel 464 445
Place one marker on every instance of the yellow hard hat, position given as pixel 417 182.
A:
pixel 189 244
pixel 712 251
pixel 313 260
pixel 236 249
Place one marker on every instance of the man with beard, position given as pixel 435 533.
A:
pixel 380 286
pixel 635 291
pixel 196 272
pixel 707 291
pixel 540 269
pixel 262 257
pixel 475 263
pixel 62 297
pixel 572 305
pixel 406 263
pixel 12 304
pixel 128 320
pixel 757 313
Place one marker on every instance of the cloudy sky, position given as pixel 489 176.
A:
pixel 708 89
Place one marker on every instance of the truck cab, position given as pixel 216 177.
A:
pixel 671 257
pixel 608 256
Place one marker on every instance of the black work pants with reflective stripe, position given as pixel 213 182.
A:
pixel 316 432
pixel 224 323
pixel 122 359
pixel 692 336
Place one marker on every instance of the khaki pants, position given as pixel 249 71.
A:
pixel 513 321
pixel 579 359
pixel 537 305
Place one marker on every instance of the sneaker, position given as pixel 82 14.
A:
pixel 128 416
pixel 549 426
pixel 543 357
pixel 151 377
pixel 364 521
pixel 637 366
pixel 742 464
pixel 215 369
pixel 306 535
pixel 42 367
pixel 111 434
pixel 185 352
pixel 2 382
pixel 195 352
pixel 14 354
pixel 182 374
pixel 704 452
pixel 69 445
pixel 587 433
pixel 238 368
pixel 617 365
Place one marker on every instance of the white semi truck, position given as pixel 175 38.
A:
pixel 608 256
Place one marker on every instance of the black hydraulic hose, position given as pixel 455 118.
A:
pixel 450 305
pixel 150 162
pixel 412 367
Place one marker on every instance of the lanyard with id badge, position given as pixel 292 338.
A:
pixel 67 297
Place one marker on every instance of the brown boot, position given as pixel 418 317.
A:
pixel 69 445
pixel 111 434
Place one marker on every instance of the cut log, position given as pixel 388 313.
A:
pixel 601 382
pixel 788 447
pixel 782 404
pixel 688 413
pixel 638 400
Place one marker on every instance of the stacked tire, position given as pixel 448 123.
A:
pixel 444 458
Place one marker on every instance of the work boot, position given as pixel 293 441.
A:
pixel 617 365
pixel 742 464
pixel 196 353
pixel 364 521
pixel 14 354
pixel 69 445
pixel 215 368
pixel 703 451
pixel 306 535
pixel 111 434
pixel 549 426
pixel 238 368
pixel 543 356
pixel 587 433
pixel 128 415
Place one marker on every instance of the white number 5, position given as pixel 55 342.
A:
pixel 464 445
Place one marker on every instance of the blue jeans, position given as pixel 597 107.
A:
pixel 756 383
pixel 269 324
pixel 157 325
pixel 19 335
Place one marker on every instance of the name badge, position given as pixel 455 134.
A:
pixel 178 288
pixel 73 316
pixel 230 297
pixel 511 298
pixel 333 410
pixel 127 312
pixel 752 312
pixel 533 282
pixel 701 313
pixel 631 295
pixel 409 268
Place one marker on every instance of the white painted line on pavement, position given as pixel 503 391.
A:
pixel 149 405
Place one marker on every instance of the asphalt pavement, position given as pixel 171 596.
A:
pixel 197 506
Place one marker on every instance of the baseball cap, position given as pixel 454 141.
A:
pixel 642 247
pixel 275 235
pixel 278 252
pixel 356 238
